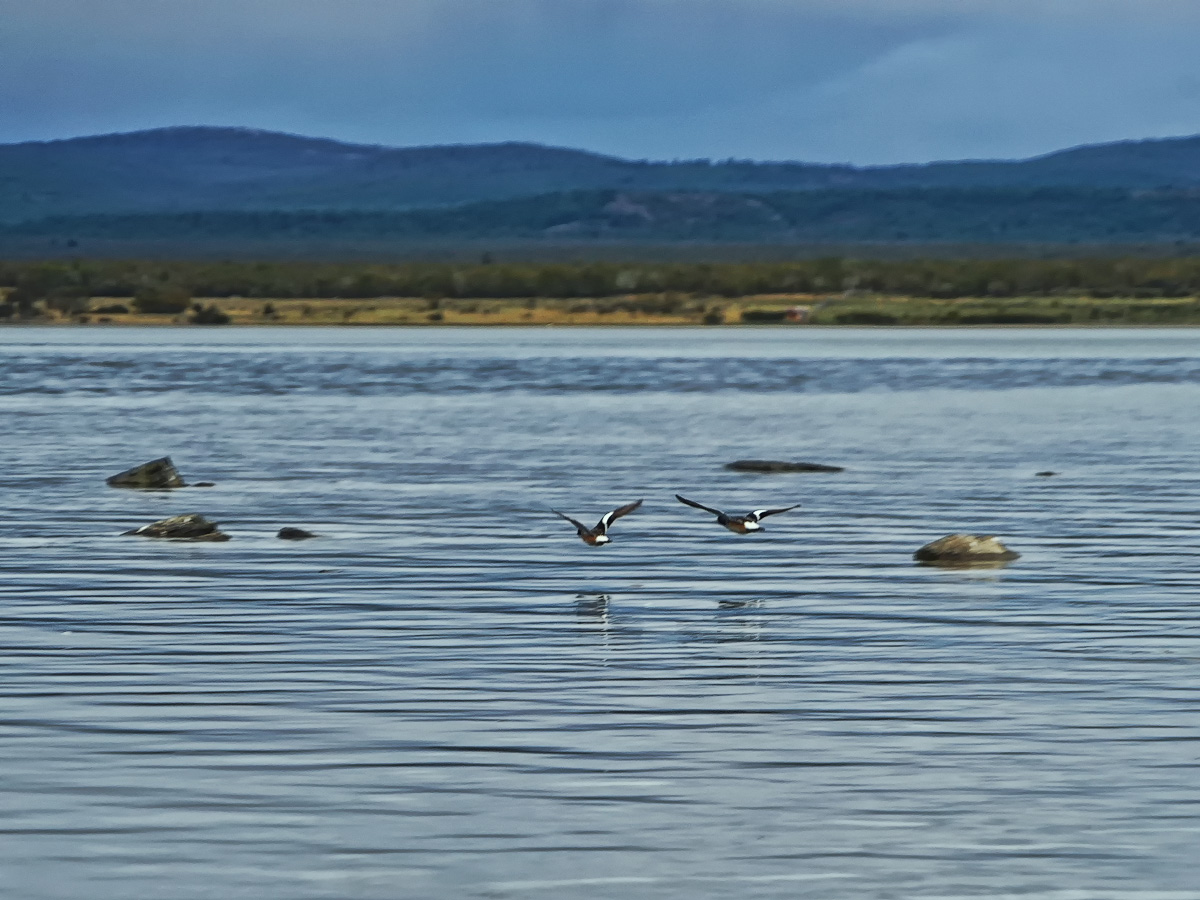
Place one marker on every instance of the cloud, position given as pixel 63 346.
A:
pixel 995 86
pixel 860 80
pixel 1013 90
pixel 516 57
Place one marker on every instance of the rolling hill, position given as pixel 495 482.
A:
pixel 199 181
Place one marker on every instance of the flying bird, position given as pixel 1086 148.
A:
pixel 737 524
pixel 598 536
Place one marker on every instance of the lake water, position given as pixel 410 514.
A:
pixel 448 695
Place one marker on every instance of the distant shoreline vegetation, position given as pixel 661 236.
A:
pixel 830 291
pixel 908 215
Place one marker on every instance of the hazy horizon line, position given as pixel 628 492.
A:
pixel 250 129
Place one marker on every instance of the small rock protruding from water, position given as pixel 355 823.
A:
pixel 202 484
pixel 158 474
pixel 1046 474
pixel 965 550
pixel 770 466
pixel 294 534
pixel 190 527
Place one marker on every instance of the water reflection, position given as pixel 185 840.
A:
pixel 444 699
pixel 964 564
pixel 729 605
pixel 593 606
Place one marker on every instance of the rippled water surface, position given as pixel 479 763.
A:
pixel 448 695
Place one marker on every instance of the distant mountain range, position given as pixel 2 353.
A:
pixel 197 181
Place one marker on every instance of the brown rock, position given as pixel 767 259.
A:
pixel 770 466
pixel 191 527
pixel 158 474
pixel 294 534
pixel 965 550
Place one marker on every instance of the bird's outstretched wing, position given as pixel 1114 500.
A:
pixel 608 518
pixel 715 512
pixel 579 525
pixel 763 513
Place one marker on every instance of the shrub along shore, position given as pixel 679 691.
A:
pixel 817 292
pixel 636 309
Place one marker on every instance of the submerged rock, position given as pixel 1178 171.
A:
pixel 191 527
pixel 158 474
pixel 294 534
pixel 1046 474
pixel 771 465
pixel 965 550
pixel 202 484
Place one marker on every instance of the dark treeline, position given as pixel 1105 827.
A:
pixel 1055 215
pixel 1127 277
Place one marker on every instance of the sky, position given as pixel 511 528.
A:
pixel 857 81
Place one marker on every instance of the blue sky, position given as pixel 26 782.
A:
pixel 862 81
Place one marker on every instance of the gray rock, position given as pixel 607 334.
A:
pixel 158 474
pixel 965 550
pixel 294 534
pixel 770 466
pixel 191 527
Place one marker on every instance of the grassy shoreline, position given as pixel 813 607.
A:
pixel 656 310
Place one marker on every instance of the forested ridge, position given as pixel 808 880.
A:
pixel 1050 215
pixel 192 184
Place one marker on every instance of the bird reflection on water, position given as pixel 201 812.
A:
pixel 741 604
pixel 593 606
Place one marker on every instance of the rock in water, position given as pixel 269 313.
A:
pixel 156 474
pixel 770 465
pixel 1046 474
pixel 965 550
pixel 294 534
pixel 191 527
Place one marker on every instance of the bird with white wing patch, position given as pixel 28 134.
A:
pixel 737 524
pixel 598 536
